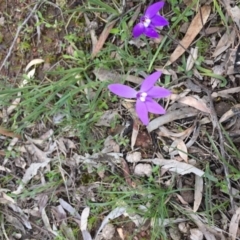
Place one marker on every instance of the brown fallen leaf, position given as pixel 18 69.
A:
pixel 230 113
pixel 182 150
pixel 196 234
pixel 134 134
pixel 5 132
pixel 126 173
pixel 165 132
pixel 233 226
pixel 224 43
pixel 195 27
pixel 171 116
pixel 198 192
pixel 181 168
pixel 2 153
pixel 192 58
pixel 196 102
pixel 225 92
pixel 235 14
pixel 103 37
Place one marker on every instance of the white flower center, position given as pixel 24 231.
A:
pixel 143 96
pixel 146 22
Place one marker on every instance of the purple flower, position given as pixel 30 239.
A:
pixel 150 21
pixel 145 102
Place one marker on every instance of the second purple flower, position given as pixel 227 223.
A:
pixel 150 21
pixel 145 102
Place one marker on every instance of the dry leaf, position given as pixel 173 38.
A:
pixel 5 132
pixel 182 150
pixel 21 215
pixel 5 169
pixel 192 58
pixel 175 233
pixel 196 234
pixel 218 70
pixel 225 92
pixel 38 154
pixel 232 112
pixel 208 231
pixel 195 27
pixel 5 199
pixel 224 43
pixel 59 213
pixel 33 63
pixel 69 209
pixel 103 37
pixel 84 220
pixel 163 131
pixel 134 157
pixel 29 174
pixel 15 222
pixel 176 166
pixel 196 102
pixel 183 227
pixel 143 169
pixel 2 19
pixel 198 192
pixel 171 116
pixel 108 232
pixel 120 233
pixel 233 226
pixel 115 213
pixel 235 12
pixel 134 133
pixel 47 222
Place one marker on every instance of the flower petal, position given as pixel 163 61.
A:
pixel 142 112
pixel 159 21
pixel 138 30
pixel 150 81
pixel 122 90
pixel 151 32
pixel 158 92
pixel 153 9
pixel 154 107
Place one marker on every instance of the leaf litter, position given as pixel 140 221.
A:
pixel 174 136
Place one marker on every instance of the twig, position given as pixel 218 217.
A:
pixel 18 32
pixel 217 126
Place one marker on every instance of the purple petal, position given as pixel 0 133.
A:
pixel 154 107
pixel 138 30
pixel 158 92
pixel 153 9
pixel 150 81
pixel 142 112
pixel 122 90
pixel 151 32
pixel 159 21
